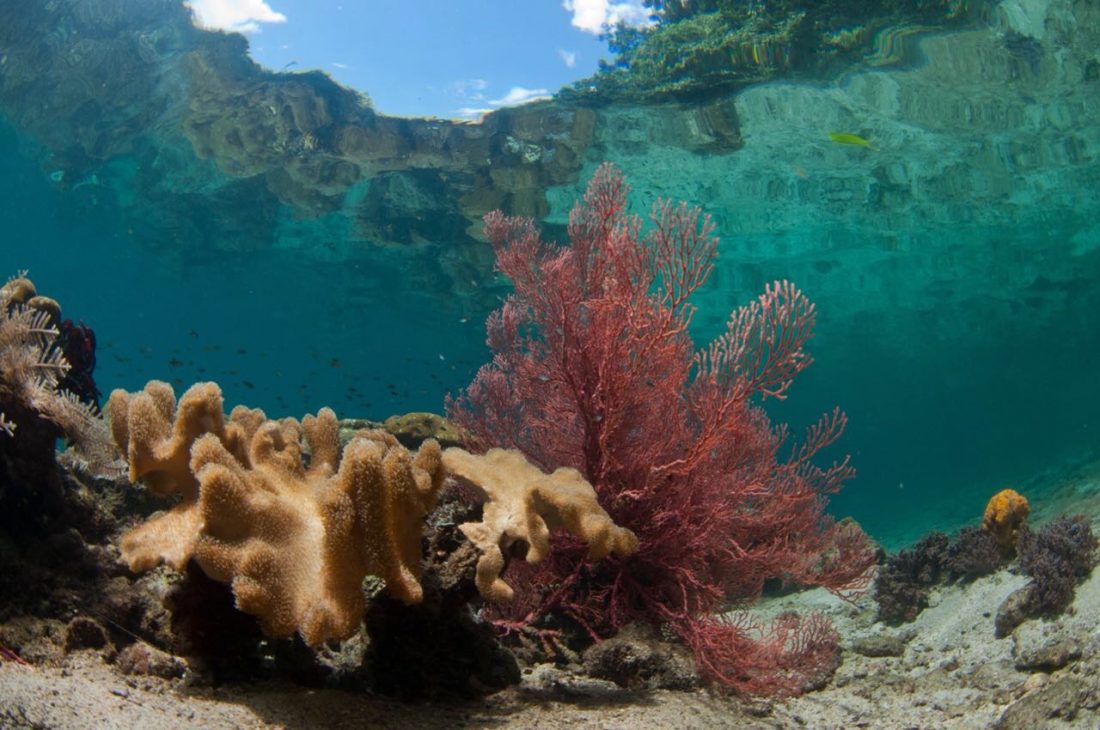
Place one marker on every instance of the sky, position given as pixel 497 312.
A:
pixel 454 59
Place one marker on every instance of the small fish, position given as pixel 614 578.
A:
pixel 851 139
pixel 193 333
pixel 334 363
pixel 247 384
pixel 174 362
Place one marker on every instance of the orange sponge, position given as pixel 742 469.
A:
pixel 1004 514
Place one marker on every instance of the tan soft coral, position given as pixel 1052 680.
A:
pixel 294 541
pixel 525 504
pixel 295 535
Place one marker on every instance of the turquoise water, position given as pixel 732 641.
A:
pixel 279 331
pixel 954 264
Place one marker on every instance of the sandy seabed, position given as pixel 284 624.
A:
pixel 950 673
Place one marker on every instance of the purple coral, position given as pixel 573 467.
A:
pixel 973 553
pixel 1055 558
pixel 902 585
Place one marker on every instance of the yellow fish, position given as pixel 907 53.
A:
pixel 852 139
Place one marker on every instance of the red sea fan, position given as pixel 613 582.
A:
pixel 593 368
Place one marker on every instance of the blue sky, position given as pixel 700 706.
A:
pixel 444 58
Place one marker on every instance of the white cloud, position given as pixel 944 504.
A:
pixel 469 112
pixel 241 16
pixel 569 58
pixel 340 65
pixel 593 16
pixel 520 95
pixel 478 104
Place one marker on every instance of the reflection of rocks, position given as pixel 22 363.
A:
pixel 203 149
pixel 980 137
pixel 103 88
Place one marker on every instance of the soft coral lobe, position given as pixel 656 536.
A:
pixel 593 368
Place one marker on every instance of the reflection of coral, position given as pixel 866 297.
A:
pixel 295 542
pixel 1004 514
pixel 524 503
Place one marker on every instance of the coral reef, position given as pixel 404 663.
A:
pixel 593 369
pixel 1005 513
pixel 294 536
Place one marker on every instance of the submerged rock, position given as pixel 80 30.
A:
pixel 1059 700
pixel 637 658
